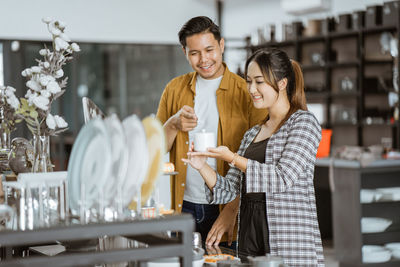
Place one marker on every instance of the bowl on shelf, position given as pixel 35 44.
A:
pixel 367 195
pixel 375 254
pixel 394 248
pixel 374 224
pixel 390 193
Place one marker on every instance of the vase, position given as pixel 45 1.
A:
pixel 5 147
pixel 41 145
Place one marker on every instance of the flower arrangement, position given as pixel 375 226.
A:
pixel 9 104
pixel 45 83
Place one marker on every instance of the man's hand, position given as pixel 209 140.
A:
pixel 185 119
pixel 225 223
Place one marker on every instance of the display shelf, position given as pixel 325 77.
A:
pixel 348 180
pixel 362 50
pixel 181 247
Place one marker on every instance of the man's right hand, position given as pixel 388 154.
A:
pixel 185 119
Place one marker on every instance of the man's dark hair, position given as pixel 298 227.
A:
pixel 201 24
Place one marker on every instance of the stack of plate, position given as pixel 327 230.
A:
pixel 375 254
pixel 113 164
pixel 394 248
pixel 374 224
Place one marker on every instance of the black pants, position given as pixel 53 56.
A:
pixel 253 232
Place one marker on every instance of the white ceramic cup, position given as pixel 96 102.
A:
pixel 203 140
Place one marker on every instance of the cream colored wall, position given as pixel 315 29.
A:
pixel 119 21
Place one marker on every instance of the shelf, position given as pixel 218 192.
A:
pixel 313 67
pixel 183 248
pixel 353 64
pixel 339 35
pixel 378 61
pixel 311 39
pixel 316 95
pixel 378 29
pixel 343 95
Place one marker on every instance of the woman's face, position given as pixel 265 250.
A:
pixel 262 94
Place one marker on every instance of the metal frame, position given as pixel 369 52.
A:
pixel 181 247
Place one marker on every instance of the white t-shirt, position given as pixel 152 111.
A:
pixel 205 107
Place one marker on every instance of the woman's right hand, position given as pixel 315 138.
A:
pixel 196 161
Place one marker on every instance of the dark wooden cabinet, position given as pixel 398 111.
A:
pixel 347 180
pixel 348 74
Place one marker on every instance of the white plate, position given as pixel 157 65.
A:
pixel 156 147
pixel 119 158
pixel 393 246
pixel 89 163
pixel 138 157
pixel 374 224
pixel 390 193
pixel 375 254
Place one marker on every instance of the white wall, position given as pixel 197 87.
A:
pixel 120 21
pixel 242 17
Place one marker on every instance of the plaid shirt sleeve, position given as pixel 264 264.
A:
pixel 299 150
pixel 227 188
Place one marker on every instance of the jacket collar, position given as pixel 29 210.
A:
pixel 224 85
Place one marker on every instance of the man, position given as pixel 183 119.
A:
pixel 210 98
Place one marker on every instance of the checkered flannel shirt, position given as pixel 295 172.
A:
pixel 286 177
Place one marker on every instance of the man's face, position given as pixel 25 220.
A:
pixel 204 54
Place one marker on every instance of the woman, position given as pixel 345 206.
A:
pixel 273 170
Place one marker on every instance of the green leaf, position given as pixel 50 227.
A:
pixel 33 114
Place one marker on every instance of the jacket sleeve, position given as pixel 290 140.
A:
pixel 227 188
pixel 162 111
pixel 299 150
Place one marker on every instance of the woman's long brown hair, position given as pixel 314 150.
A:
pixel 275 65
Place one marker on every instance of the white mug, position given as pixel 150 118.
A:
pixel 203 140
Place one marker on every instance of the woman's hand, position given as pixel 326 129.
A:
pixel 196 160
pixel 221 152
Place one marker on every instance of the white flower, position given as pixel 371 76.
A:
pixel 45 93
pixel 13 102
pixel 65 37
pixel 53 87
pixel 41 102
pixel 9 90
pixel 61 44
pixel 30 95
pixel 61 123
pixel 33 85
pixel 46 65
pixel 47 20
pixel 51 122
pixel 75 47
pixel 45 79
pixel 53 29
pixel 43 52
pixel 26 72
pixel 36 69
pixel 61 24
pixel 59 73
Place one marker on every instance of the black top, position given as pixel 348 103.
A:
pixel 255 151
pixel 253 229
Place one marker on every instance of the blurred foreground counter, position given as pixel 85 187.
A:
pixel 73 244
pixel 359 205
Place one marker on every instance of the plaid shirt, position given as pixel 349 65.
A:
pixel 286 177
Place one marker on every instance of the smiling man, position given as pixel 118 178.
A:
pixel 210 98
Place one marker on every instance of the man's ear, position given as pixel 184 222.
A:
pixel 282 84
pixel 222 45
pixel 184 50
